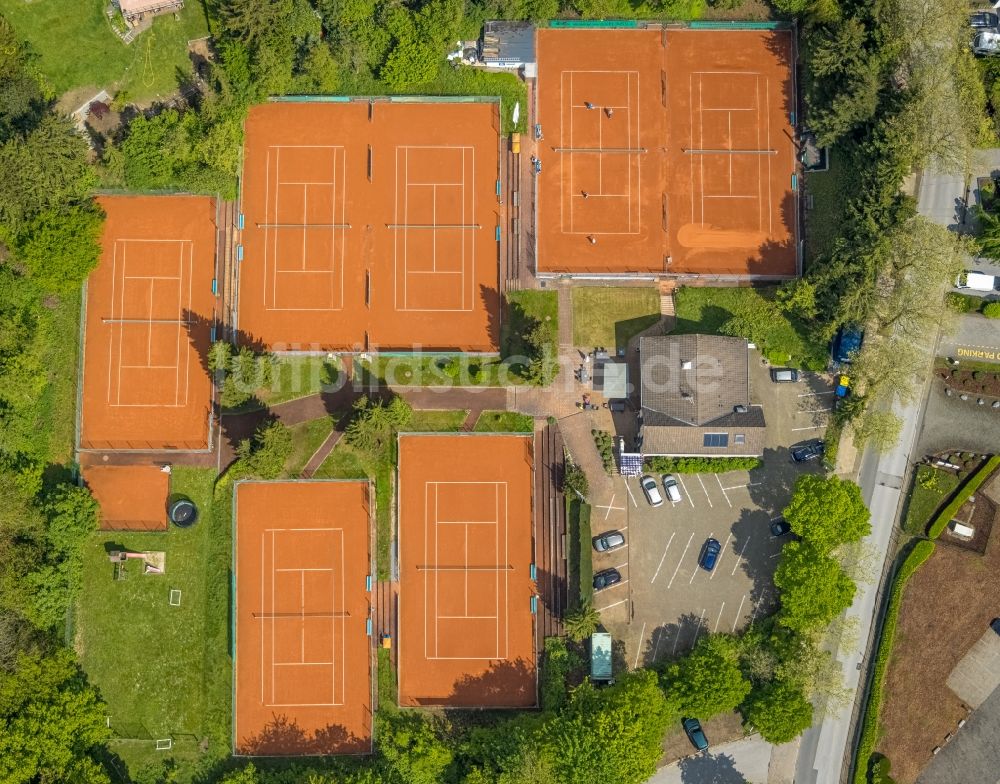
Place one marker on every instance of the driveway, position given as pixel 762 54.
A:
pixel 973 755
pixel 746 761
pixel 666 601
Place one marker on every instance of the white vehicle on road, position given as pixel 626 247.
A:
pixel 976 281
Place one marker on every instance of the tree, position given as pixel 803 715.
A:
pixel 779 712
pixel 827 512
pixel 375 424
pixel 410 62
pixel 409 751
pixel 708 681
pixel 877 428
pixel 50 722
pixel 988 241
pixel 319 74
pixel 814 588
pixel 265 454
pixel 575 480
pixel 582 622
pixel 59 248
pixel 614 734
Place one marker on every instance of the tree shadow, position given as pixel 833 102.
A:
pixel 670 640
pixel 491 305
pixel 708 768
pixel 756 563
pixel 282 736
pixel 507 683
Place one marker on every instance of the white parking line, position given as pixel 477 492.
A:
pixel 602 609
pixel 738 612
pixel 663 557
pixel 775 555
pixel 697 631
pixel 813 427
pixel 698 568
pixel 629 491
pixel 680 561
pixel 814 410
pixel 638 649
pixel 621 565
pixel 659 638
pixel 719 618
pixel 757 607
pixel 681 480
pixel 723 490
pixel 705 489
pixel 722 552
pixel 739 558
pixel 814 394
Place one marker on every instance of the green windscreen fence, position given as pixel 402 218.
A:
pixel 719 25
pixel 626 24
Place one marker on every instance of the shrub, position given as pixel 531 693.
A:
pixel 557 664
pixel 921 551
pixel 264 456
pixel 963 303
pixel 992 310
pixel 701 465
pixel 605 444
pixel 575 480
pixel 582 622
pixel 942 520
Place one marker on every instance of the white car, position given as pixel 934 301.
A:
pixel 651 491
pixel 672 489
pixel 987 43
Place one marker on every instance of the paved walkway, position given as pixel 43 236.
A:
pixel 321 454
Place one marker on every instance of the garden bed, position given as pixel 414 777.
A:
pixel 979 383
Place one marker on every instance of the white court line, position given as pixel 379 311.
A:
pixel 615 604
pixel 638 648
pixel 815 394
pixel 723 490
pixel 663 557
pixel 719 618
pixel 739 558
pixel 705 490
pixel 722 552
pixel 811 427
pixel 686 493
pixel 740 610
pixel 680 561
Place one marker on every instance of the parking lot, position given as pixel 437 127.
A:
pixel 666 601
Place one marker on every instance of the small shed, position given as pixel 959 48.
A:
pixel 611 379
pixel 135 11
pixel 509 45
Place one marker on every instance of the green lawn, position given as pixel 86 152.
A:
pixel 307 437
pixel 77 47
pixel 387 689
pixel 830 191
pixel 610 316
pixel 504 422
pixel 783 340
pixel 429 421
pixel 428 370
pixel 164 671
pixel 59 328
pixel 932 487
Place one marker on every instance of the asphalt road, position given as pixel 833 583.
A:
pixel 824 747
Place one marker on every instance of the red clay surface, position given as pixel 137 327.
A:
pixel 466 632
pixel 371 226
pixel 303 656
pixel 660 196
pixel 149 314
pixel 132 498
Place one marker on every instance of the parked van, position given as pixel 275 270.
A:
pixel 976 281
pixel 600 658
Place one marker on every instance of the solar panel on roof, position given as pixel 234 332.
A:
pixel 630 464
pixel 716 439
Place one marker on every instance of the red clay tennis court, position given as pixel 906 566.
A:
pixel 466 627
pixel 132 498
pixel 303 662
pixel 149 315
pixel 371 225
pixel 666 151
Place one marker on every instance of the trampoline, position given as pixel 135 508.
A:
pixel 183 513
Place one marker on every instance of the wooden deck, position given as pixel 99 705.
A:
pixel 550 535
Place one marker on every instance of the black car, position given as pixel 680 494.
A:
pixel 692 727
pixel 983 20
pixel 606 578
pixel 780 526
pixel 995 625
pixel 807 452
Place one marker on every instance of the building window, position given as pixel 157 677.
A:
pixel 739 438
pixel 717 439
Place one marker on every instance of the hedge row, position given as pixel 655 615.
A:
pixel 921 551
pixel 701 465
pixel 966 490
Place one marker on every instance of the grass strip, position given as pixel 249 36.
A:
pixel 922 550
pixel 970 487
pixel 504 422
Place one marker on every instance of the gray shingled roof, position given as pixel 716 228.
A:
pixel 695 379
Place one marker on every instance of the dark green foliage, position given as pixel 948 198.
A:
pixel 410 752
pixel 708 681
pixel 992 310
pixel 880 769
pixel 700 465
pixel 264 455
pixel 558 663
pixel 582 621
pixel 605 444
pixel 530 339
pixel 575 480
pixel 375 424
pixel 779 712
pixel 59 248
pixel 963 303
pixel 240 374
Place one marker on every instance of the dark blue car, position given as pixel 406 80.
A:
pixel 848 342
pixel 709 554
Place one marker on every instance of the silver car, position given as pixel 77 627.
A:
pixel 651 491
pixel 608 541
